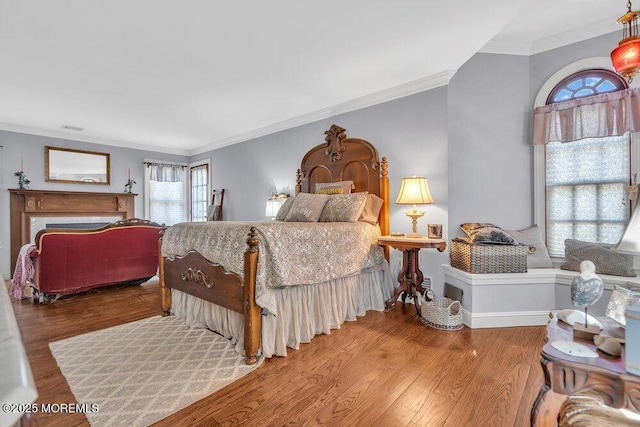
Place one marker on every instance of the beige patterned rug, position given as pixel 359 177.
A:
pixel 141 372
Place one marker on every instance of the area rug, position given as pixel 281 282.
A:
pixel 139 373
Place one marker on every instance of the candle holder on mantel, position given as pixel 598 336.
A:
pixel 23 182
pixel 129 185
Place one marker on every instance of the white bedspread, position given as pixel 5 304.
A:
pixel 291 253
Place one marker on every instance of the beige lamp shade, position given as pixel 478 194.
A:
pixel 414 191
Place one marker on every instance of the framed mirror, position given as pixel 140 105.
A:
pixel 76 166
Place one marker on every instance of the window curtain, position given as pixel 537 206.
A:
pixel 165 173
pixel 597 116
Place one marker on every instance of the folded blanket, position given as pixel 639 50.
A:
pixel 24 271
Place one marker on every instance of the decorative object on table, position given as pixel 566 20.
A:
pixel 129 185
pixel 632 338
pixel 441 312
pixel 574 349
pixel 626 57
pixel 586 289
pixel 274 203
pixel 620 299
pixel 23 182
pixel 397 234
pixel 414 191
pixel 571 316
pixel 434 231
pixel 477 258
pixel 607 344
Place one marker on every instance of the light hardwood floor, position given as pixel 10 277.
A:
pixel 386 369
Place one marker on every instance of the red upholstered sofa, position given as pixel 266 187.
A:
pixel 72 260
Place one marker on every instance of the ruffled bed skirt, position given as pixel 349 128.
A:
pixel 302 311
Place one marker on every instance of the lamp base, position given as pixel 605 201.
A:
pixel 414 214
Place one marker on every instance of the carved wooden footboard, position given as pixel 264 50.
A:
pixel 195 275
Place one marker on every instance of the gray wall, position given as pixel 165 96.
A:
pixel 490 153
pixel 471 139
pixel 411 132
pixel 31 149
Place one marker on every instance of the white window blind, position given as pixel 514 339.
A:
pixel 586 184
pixel 167 194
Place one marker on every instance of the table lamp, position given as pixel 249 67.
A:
pixel 414 191
pixel 274 203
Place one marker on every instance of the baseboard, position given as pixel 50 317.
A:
pixel 505 319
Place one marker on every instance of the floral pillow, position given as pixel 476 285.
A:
pixel 343 207
pixel 483 232
pixel 340 187
pixel 307 207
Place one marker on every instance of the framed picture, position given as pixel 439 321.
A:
pixel 434 231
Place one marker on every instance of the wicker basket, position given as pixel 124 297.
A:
pixel 487 258
pixel 441 312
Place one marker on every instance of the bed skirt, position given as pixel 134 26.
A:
pixel 302 311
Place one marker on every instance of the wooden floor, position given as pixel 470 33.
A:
pixel 386 369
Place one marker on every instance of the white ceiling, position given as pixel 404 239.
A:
pixel 188 76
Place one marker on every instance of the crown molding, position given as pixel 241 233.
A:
pixel 564 38
pixel 507 47
pixel 400 91
pixel 88 138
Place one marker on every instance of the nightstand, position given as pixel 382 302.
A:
pixel 410 276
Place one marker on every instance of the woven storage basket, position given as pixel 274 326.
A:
pixel 441 312
pixel 487 258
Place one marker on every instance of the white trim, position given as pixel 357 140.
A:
pixel 505 319
pixel 201 162
pixel 575 35
pixel 88 138
pixel 410 88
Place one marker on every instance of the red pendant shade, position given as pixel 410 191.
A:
pixel 626 58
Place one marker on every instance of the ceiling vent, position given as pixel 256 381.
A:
pixel 73 128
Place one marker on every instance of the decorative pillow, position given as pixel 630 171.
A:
pixel 537 255
pixel 606 260
pixel 343 207
pixel 371 209
pixel 483 232
pixel 306 207
pixel 340 187
pixel 284 209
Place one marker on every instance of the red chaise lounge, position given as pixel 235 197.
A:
pixel 68 261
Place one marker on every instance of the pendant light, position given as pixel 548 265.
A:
pixel 626 57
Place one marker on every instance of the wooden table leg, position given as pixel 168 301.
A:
pixel 409 278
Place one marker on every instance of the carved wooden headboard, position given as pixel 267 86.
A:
pixel 346 159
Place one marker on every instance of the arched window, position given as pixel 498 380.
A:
pixel 585 187
pixel 586 83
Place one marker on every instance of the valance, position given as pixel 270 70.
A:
pixel 165 172
pixel 597 116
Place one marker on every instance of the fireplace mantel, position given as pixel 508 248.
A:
pixel 29 204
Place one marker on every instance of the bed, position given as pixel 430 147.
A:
pixel 269 285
